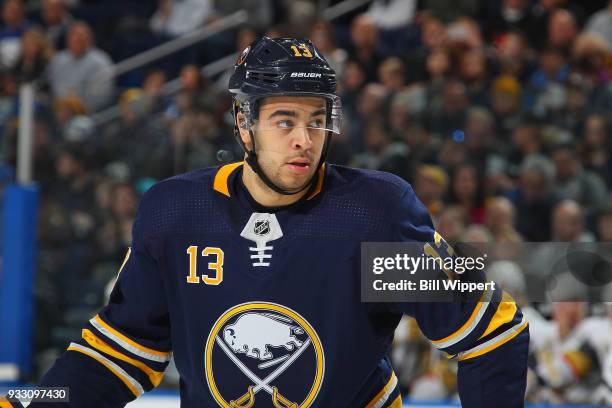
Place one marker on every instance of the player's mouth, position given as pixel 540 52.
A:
pixel 299 166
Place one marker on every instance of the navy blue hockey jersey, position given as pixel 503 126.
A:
pixel 261 307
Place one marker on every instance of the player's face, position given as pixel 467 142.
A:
pixel 289 137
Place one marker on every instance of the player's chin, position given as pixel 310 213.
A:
pixel 292 181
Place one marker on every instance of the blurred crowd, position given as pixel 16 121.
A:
pixel 499 113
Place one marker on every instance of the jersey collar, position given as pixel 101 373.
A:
pixel 222 182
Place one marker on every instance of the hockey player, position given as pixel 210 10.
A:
pixel 248 274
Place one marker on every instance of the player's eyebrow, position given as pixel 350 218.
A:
pixel 293 114
pixel 318 112
pixel 282 113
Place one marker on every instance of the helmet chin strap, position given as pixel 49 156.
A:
pixel 251 159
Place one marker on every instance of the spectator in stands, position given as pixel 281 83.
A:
pixel 407 108
pixel 562 30
pixel 600 23
pixel 82 69
pixel 244 37
pixel 595 147
pixel 445 97
pixel 369 107
pixel 500 218
pixel 506 98
pixel 480 137
pixel 552 66
pixel 72 123
pixel 603 226
pixel 573 181
pixel 113 237
pixel 35 55
pixel 473 71
pixel 136 138
pixel 569 223
pixel 56 19
pixel 322 37
pixel 42 148
pixel 153 89
pixel 299 16
pixel 350 84
pixel 577 102
pixel 195 140
pixel 464 35
pixel 468 191
pixel 196 91
pixel 590 56
pixel 365 46
pixel 177 17
pixel 447 109
pixel 546 91
pixel 15 24
pixel 382 153
pixel 391 76
pixel 433 35
pixel 74 190
pixel 534 198
pixel 430 185
pixel 439 67
pixel 451 223
pixel 123 210
pixel 8 89
pixel 526 141
pixel 513 55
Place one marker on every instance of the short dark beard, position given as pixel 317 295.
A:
pixel 276 178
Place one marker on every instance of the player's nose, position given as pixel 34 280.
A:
pixel 301 138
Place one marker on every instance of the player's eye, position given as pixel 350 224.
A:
pixel 316 123
pixel 285 124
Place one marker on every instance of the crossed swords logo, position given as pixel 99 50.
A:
pixel 248 399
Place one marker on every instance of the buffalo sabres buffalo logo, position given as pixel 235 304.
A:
pixel 264 355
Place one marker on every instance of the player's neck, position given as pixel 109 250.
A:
pixel 263 194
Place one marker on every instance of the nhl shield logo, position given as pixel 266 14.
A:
pixel 262 227
pixel 264 355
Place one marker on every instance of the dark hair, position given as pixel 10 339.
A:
pixel 480 193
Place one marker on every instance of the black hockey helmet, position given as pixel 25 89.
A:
pixel 282 67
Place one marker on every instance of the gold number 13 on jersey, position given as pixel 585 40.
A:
pixel 215 276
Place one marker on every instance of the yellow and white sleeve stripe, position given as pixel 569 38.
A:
pixel 129 344
pixel 469 326
pixel 506 310
pixel 94 341
pixel 383 395
pixel 494 342
pixel 134 386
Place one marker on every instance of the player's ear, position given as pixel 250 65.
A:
pixel 243 128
